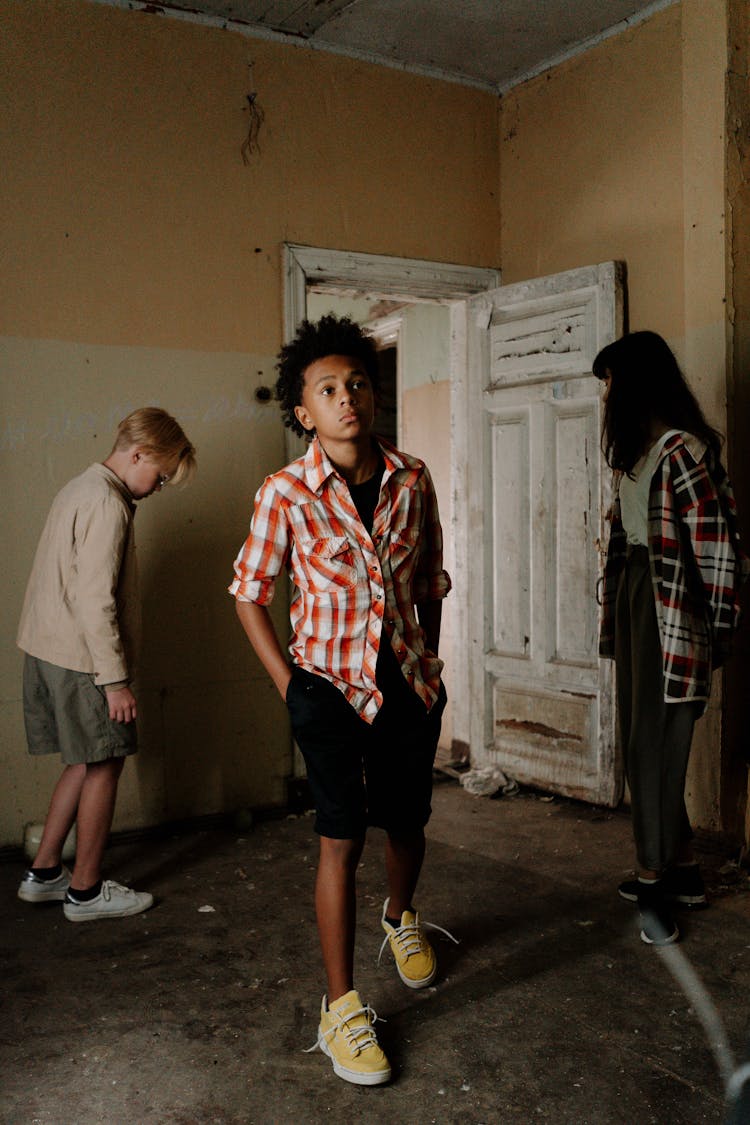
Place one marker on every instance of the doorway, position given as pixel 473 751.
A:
pixel 522 507
pixel 417 308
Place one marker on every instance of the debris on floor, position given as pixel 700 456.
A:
pixel 487 781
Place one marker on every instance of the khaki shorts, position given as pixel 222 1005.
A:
pixel 66 713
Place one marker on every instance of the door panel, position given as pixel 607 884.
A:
pixel 509 437
pixel 541 699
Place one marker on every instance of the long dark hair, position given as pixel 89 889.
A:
pixel 646 387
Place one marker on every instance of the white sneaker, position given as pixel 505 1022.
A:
pixel 113 901
pixel 34 889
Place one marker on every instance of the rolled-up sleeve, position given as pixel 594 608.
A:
pixel 264 553
pixel 432 582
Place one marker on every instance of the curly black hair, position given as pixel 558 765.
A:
pixel 331 335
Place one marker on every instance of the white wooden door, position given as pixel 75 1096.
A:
pixel 541 700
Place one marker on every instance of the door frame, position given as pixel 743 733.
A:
pixel 415 279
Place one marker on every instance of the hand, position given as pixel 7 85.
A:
pixel 121 705
pixel 283 683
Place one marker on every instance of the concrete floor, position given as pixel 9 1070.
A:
pixel 551 1009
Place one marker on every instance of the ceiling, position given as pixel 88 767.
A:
pixel 492 44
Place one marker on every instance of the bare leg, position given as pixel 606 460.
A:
pixel 403 863
pixel 96 808
pixel 336 909
pixel 61 815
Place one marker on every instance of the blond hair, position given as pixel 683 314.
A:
pixel 158 434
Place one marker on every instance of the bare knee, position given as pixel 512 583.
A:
pixel 110 769
pixel 75 772
pixel 344 854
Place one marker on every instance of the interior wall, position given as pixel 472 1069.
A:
pixel 592 169
pixel 735 780
pixel 142 264
pixel 619 154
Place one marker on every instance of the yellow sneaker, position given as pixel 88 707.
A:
pixel 415 958
pixel 346 1034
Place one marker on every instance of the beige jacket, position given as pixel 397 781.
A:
pixel 81 609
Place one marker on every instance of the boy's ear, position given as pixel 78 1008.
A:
pixel 303 418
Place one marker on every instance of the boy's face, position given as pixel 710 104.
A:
pixel 337 399
pixel 143 475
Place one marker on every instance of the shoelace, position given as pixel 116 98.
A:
pixel 358 1039
pixel 409 939
pixel 108 886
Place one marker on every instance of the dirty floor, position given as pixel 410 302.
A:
pixel 198 1012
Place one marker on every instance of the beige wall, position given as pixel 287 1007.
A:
pixel 619 154
pixel 592 169
pixel 142 264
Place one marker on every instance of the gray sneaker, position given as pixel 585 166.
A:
pixel 34 889
pixel 113 901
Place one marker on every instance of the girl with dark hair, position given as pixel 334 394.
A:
pixel 670 603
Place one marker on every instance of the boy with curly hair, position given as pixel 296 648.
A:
pixel 355 523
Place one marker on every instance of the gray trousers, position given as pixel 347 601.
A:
pixel 655 736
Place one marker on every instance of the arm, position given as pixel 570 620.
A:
pixel 713 551
pixel 430 615
pixel 432 583
pixel 101 534
pixel 261 559
pixel 256 621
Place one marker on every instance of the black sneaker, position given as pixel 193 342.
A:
pixel 657 924
pixel 683 886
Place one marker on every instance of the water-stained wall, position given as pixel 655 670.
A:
pixel 142 263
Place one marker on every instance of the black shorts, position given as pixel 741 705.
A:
pixel 360 773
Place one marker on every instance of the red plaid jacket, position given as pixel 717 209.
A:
pixel 349 588
pixel 697 566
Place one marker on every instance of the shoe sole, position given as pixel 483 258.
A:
pixel 45 896
pixel 95 916
pixel 697 902
pixel 425 982
pixel 664 941
pixel 358 1078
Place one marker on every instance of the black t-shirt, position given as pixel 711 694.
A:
pixel 365 497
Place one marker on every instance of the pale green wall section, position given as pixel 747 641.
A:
pixel 214 734
pixel 426 348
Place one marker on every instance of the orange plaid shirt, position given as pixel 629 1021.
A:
pixel 349 588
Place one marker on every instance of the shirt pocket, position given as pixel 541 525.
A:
pixel 403 553
pixel 326 566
